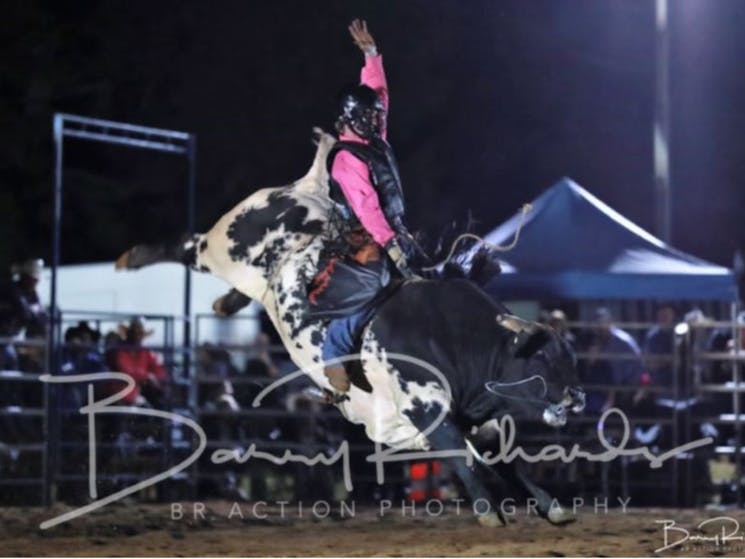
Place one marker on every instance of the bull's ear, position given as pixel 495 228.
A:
pixel 531 344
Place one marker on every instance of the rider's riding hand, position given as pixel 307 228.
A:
pixel 393 248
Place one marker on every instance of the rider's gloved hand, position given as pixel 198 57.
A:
pixel 405 240
pixel 408 244
pixel 362 37
pixel 393 248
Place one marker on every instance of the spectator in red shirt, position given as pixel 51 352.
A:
pixel 142 364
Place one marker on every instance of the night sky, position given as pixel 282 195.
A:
pixel 491 103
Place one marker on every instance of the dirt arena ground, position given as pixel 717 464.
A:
pixel 148 530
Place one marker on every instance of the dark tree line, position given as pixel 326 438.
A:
pixel 492 102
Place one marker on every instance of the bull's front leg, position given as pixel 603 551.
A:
pixel 486 439
pixel 447 436
pixel 546 506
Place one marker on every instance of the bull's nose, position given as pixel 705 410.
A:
pixel 555 415
pixel 577 396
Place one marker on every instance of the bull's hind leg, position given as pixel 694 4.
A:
pixel 184 252
pixel 230 303
pixel 446 436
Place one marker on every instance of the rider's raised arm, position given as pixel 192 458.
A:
pixel 372 74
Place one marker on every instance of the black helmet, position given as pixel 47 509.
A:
pixel 361 109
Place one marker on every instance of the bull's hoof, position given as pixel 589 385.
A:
pixel 560 517
pixel 491 520
pixel 230 303
pixel 217 307
pixel 122 263
pixel 138 257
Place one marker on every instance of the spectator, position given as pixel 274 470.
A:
pixel 262 364
pixel 80 355
pixel 111 343
pixel 732 347
pixel 280 358
pixel 557 319
pixel 260 370
pixel 605 338
pixel 658 347
pixel 141 364
pixel 722 341
pixel 215 363
pixel 8 357
pixel 20 309
pixel 216 372
pixel 21 313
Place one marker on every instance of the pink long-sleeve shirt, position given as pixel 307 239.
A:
pixel 353 174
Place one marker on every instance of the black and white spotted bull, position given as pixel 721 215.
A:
pixel 487 363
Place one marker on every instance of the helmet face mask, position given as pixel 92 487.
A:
pixel 361 109
pixel 369 123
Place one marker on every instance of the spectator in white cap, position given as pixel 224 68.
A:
pixel 21 312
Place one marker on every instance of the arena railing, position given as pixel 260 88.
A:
pixel 704 362
pixel 23 452
pixel 539 438
pixel 306 428
pixel 656 408
pixel 687 401
pixel 678 419
pixel 66 469
pixel 669 418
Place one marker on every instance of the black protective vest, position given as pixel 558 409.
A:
pixel 378 156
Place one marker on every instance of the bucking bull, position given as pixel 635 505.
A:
pixel 463 360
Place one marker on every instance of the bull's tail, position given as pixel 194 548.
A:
pixel 187 251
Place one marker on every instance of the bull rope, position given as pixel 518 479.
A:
pixel 499 248
pixel 492 387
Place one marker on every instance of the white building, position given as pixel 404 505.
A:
pixel 155 290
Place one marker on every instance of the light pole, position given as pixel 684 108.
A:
pixel 661 131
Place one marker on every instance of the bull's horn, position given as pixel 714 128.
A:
pixel 517 324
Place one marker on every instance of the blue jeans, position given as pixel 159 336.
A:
pixel 343 333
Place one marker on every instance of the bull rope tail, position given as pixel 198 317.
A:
pixel 499 248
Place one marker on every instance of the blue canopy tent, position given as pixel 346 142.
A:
pixel 573 246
